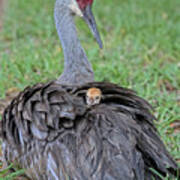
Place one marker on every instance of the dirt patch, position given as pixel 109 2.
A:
pixel 10 95
pixel 176 126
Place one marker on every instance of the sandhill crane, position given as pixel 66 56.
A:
pixel 59 130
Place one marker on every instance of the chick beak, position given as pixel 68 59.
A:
pixel 90 20
pixel 90 101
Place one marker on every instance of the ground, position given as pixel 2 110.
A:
pixel 141 51
pixel 1 11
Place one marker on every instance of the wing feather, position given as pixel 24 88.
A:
pixel 50 131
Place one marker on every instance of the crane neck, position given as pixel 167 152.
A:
pixel 77 68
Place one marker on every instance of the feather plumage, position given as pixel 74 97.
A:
pixel 51 132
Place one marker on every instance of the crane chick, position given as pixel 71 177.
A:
pixel 93 96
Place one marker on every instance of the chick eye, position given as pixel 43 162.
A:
pixel 97 97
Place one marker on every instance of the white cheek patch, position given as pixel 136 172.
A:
pixel 75 8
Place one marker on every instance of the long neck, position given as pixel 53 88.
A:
pixel 77 69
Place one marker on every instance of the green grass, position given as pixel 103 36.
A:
pixel 10 176
pixel 141 51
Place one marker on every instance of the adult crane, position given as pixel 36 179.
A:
pixel 78 129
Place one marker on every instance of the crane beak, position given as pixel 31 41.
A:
pixel 90 20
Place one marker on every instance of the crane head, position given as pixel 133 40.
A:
pixel 84 10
